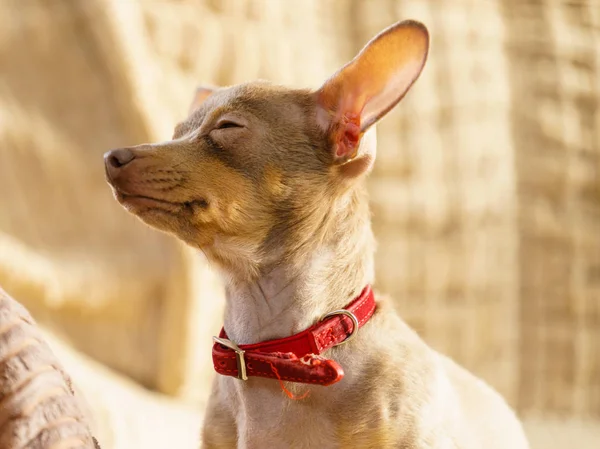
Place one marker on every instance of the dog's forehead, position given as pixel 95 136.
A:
pixel 265 101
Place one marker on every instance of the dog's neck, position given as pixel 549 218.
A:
pixel 290 296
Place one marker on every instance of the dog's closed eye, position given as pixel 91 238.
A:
pixel 224 124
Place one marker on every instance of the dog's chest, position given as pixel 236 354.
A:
pixel 266 417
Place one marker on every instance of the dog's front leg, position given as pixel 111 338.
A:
pixel 219 430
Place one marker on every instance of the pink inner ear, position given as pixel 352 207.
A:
pixel 346 121
pixel 348 137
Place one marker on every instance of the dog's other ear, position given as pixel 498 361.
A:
pixel 201 94
pixel 366 88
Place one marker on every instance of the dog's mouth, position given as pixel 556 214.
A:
pixel 138 204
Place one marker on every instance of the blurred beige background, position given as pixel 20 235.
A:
pixel 485 195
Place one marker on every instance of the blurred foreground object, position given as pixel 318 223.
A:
pixel 42 408
pixel 39 408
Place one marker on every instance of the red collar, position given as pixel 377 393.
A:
pixel 296 358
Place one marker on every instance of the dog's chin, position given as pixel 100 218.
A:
pixel 140 204
pixel 152 211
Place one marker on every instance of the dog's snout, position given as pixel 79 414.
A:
pixel 118 158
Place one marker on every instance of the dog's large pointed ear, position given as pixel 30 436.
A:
pixel 366 88
pixel 200 95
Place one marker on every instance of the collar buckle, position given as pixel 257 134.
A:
pixel 349 315
pixel 239 356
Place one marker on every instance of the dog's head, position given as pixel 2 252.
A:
pixel 257 163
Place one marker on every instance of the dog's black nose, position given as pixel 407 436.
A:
pixel 118 158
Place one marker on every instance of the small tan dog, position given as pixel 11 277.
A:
pixel 269 183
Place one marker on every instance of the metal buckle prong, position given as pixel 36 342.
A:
pixel 349 315
pixel 239 356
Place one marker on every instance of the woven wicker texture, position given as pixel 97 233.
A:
pixel 554 49
pixel 487 194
